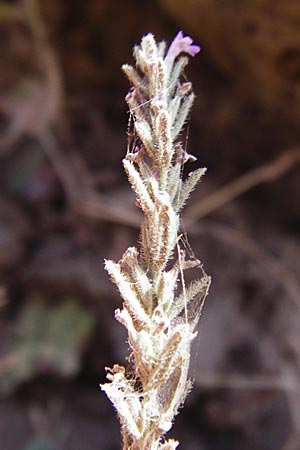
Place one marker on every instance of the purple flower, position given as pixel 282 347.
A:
pixel 181 44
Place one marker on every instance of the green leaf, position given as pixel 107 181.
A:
pixel 38 444
pixel 47 339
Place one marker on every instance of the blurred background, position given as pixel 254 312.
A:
pixel 65 205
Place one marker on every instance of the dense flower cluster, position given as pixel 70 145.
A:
pixel 159 311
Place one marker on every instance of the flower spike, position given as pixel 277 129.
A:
pixel 159 311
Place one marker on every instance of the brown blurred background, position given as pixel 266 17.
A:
pixel 65 205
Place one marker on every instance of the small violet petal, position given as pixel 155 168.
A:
pixel 181 44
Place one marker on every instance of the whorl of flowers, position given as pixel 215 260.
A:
pixel 159 311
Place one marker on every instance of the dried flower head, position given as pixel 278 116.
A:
pixel 159 311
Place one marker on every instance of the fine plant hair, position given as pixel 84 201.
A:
pixel 160 311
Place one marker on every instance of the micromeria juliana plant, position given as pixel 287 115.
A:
pixel 159 311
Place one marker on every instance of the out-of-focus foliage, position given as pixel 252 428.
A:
pixel 47 339
pixel 8 11
pixel 38 444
